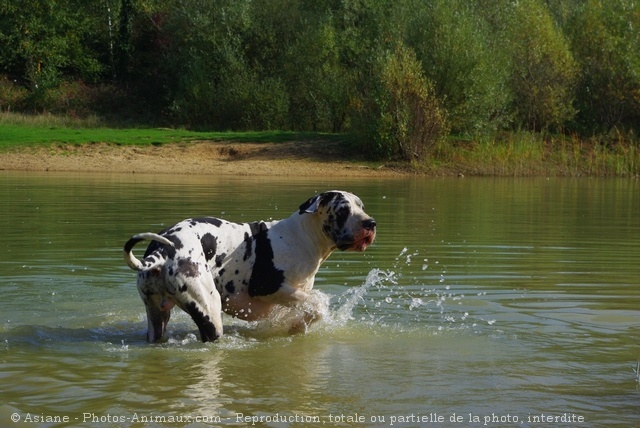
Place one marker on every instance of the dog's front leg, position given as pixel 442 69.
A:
pixel 295 298
pixel 199 298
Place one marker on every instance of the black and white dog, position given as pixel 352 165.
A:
pixel 208 265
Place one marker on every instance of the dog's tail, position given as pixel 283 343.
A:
pixel 131 260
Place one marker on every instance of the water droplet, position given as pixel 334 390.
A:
pixel 415 303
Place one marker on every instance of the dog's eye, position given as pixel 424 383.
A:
pixel 343 212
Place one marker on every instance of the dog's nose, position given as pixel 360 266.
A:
pixel 369 224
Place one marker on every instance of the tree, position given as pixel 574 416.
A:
pixel 454 44
pixel 403 118
pixel 543 71
pixel 41 41
pixel 605 37
pixel 124 42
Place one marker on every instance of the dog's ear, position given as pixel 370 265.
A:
pixel 311 205
pixel 323 199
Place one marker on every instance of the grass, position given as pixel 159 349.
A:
pixel 527 154
pixel 507 154
pixel 18 130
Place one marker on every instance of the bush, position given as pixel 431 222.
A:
pixel 11 95
pixel 264 104
pixel 543 71
pixel 75 99
pixel 605 35
pixel 403 118
pixel 319 85
pixel 454 43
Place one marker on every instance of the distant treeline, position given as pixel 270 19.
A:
pixel 402 73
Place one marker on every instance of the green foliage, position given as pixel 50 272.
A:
pixel 468 67
pixel 389 69
pixel 543 71
pixel 403 118
pixel 320 86
pixel 43 40
pixel 11 95
pixel 213 83
pixel 123 41
pixel 605 36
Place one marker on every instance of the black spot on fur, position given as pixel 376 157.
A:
pixel 220 258
pixel 209 246
pixel 248 241
pixel 165 251
pixel 187 268
pixel 131 243
pixel 183 288
pixel 257 227
pixel 230 287
pixel 342 214
pixel 265 278
pixel 171 230
pixel 208 220
pixel 327 229
pixel 327 197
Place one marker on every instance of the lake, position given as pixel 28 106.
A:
pixel 483 302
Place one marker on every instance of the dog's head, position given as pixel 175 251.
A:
pixel 343 219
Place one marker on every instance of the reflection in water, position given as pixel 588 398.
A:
pixel 480 296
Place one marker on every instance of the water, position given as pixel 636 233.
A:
pixel 483 302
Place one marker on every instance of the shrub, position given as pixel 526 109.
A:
pixel 403 118
pixel 543 70
pixel 605 36
pixel 11 95
pixel 264 105
pixel 454 43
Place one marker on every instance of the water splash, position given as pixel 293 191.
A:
pixel 346 303
pixel 402 298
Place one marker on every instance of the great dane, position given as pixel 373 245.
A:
pixel 207 265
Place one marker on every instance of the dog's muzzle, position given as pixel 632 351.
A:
pixel 360 240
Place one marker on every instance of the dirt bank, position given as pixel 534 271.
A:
pixel 206 157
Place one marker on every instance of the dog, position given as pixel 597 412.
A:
pixel 208 265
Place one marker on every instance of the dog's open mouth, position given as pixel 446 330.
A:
pixel 359 243
pixel 364 242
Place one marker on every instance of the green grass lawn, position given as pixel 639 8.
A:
pixel 19 135
pixel 20 131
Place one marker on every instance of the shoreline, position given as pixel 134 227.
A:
pixel 197 158
pixel 282 159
